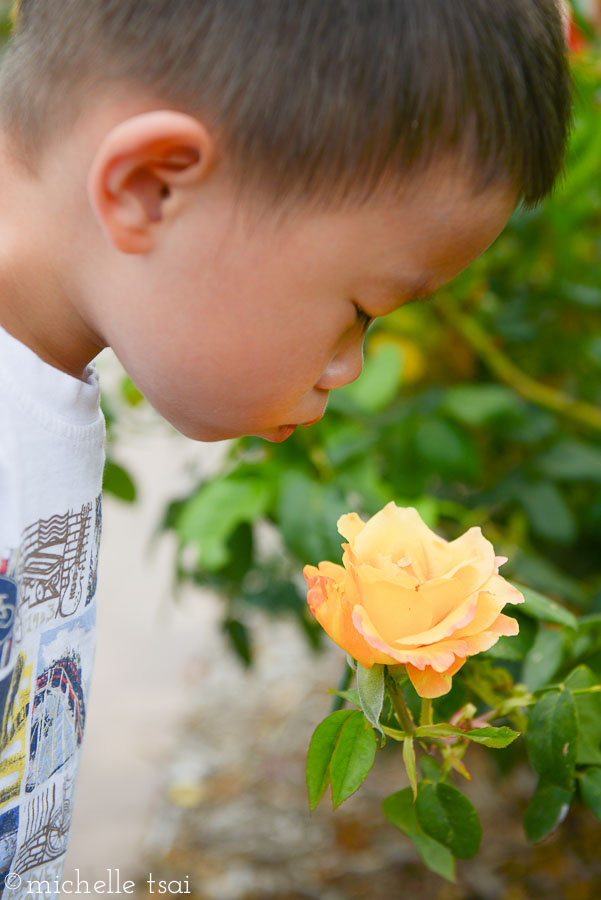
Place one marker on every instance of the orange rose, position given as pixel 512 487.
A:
pixel 406 595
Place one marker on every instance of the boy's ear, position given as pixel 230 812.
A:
pixel 141 171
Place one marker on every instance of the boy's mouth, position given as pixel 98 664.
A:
pixel 284 431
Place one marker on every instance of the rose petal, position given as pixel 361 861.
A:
pixel 488 608
pixel 393 609
pixel 499 585
pixel 505 625
pixel 383 569
pixel 365 628
pixel 397 532
pixel 329 602
pixel 430 684
pixel 457 619
pixel 350 525
pixel 490 604
pixel 439 656
pixel 443 594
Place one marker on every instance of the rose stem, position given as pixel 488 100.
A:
pixel 426 716
pixel 400 708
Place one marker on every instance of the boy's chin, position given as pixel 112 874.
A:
pixel 211 435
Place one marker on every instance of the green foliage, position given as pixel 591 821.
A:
pixel 341 753
pixel 588 715
pixel 118 482
pixel 370 687
pixel 552 738
pixel 539 607
pixel 549 806
pixel 400 810
pixel 590 790
pixel 449 817
pixel 213 514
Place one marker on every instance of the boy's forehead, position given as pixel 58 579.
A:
pixel 414 240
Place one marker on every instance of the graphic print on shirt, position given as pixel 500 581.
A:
pixel 47 821
pixel 93 578
pixel 9 826
pixel 59 707
pixel 53 561
pixel 8 606
pixel 47 636
pixel 15 692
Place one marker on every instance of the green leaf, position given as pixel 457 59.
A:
pixel 370 685
pixel 351 696
pixel 117 481
pixel 544 659
pixel 212 514
pixel 449 817
pixel 321 749
pixel 548 513
pixel 239 638
pixel 346 440
pixel 431 768
pixel 545 576
pixel 446 449
pixel 571 460
pixel 540 607
pixel 490 736
pixel 590 790
pixel 547 809
pixel 270 593
pixel 410 764
pixel 552 738
pixel 400 811
pixel 308 512
pixel 130 392
pixel 588 713
pixel 480 404
pixel 352 758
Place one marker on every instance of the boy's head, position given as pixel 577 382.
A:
pixel 229 180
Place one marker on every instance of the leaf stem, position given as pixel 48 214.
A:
pixel 541 394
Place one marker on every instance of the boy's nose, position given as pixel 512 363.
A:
pixel 345 367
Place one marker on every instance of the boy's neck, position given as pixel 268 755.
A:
pixel 35 293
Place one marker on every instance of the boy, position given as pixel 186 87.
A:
pixel 226 192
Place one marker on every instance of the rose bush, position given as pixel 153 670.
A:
pixel 405 595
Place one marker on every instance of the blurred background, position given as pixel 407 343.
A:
pixel 481 407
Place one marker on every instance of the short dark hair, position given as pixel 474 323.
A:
pixel 313 98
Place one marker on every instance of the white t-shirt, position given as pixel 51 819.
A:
pixel 51 462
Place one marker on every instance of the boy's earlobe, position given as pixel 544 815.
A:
pixel 140 173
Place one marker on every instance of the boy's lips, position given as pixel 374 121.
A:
pixel 277 435
pixel 284 431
